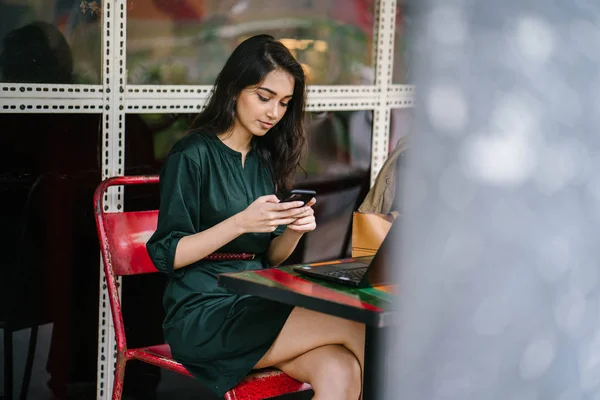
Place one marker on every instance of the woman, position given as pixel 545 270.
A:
pixel 217 196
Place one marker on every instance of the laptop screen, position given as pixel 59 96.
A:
pixel 381 269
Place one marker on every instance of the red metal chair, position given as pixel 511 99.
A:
pixel 123 237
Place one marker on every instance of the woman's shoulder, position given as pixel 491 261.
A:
pixel 193 145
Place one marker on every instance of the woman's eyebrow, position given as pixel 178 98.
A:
pixel 273 92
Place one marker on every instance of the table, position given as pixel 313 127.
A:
pixel 371 306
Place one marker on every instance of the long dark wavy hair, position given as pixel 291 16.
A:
pixel 283 147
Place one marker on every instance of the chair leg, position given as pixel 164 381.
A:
pixel 8 365
pixel 33 334
pixel 119 378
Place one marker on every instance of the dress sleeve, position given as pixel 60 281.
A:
pixel 178 214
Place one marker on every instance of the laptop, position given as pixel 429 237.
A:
pixel 359 272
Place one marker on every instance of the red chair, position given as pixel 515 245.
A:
pixel 123 237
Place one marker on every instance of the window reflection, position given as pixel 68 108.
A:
pixel 49 168
pixel 45 41
pixel 338 168
pixel 339 141
pixel 401 121
pixel 188 41
pixel 401 65
pixel 152 136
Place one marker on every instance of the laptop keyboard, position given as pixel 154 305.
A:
pixel 354 274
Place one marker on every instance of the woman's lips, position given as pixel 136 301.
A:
pixel 265 124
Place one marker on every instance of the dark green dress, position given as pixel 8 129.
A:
pixel 217 334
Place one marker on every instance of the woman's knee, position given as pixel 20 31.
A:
pixel 342 371
pixel 353 337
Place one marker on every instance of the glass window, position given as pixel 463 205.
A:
pixel 44 41
pixel 41 143
pixel 49 168
pixel 188 41
pixel 400 73
pixel 401 121
pixel 150 138
pixel 338 168
pixel 339 141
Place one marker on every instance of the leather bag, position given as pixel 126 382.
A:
pixel 373 219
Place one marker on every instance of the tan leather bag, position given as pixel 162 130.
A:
pixel 373 219
pixel 368 232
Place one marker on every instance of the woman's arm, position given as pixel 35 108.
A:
pixel 281 247
pixel 263 215
pixel 195 247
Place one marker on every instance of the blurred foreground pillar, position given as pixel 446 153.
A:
pixel 499 277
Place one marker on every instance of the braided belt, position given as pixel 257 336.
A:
pixel 230 256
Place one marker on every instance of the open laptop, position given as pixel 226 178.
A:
pixel 358 272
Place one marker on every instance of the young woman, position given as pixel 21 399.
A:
pixel 217 196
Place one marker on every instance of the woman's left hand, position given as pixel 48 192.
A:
pixel 305 222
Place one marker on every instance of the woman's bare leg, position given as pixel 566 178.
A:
pixel 333 372
pixel 306 330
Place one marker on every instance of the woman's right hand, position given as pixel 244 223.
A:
pixel 266 213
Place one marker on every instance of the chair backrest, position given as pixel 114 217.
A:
pixel 123 237
pixel 126 236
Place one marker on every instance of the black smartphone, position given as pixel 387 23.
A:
pixel 298 195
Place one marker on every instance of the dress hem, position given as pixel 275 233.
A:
pixel 235 378
pixel 261 354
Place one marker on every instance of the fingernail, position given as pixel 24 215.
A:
pixel 299 204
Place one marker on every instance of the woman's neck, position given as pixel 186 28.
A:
pixel 237 140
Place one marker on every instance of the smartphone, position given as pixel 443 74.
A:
pixel 298 195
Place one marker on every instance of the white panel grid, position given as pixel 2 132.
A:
pixel 174 105
pixel 203 91
pixel 29 97
pixel 169 99
pixel 113 131
pixel 44 105
pixel 163 105
pixel 46 91
pixel 160 92
pixel 400 96
pixel 396 88
pixel 385 18
pixel 342 105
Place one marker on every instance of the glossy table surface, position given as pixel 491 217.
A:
pixel 372 306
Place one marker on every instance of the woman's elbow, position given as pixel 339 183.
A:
pixel 275 260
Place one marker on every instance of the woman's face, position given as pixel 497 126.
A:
pixel 259 108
